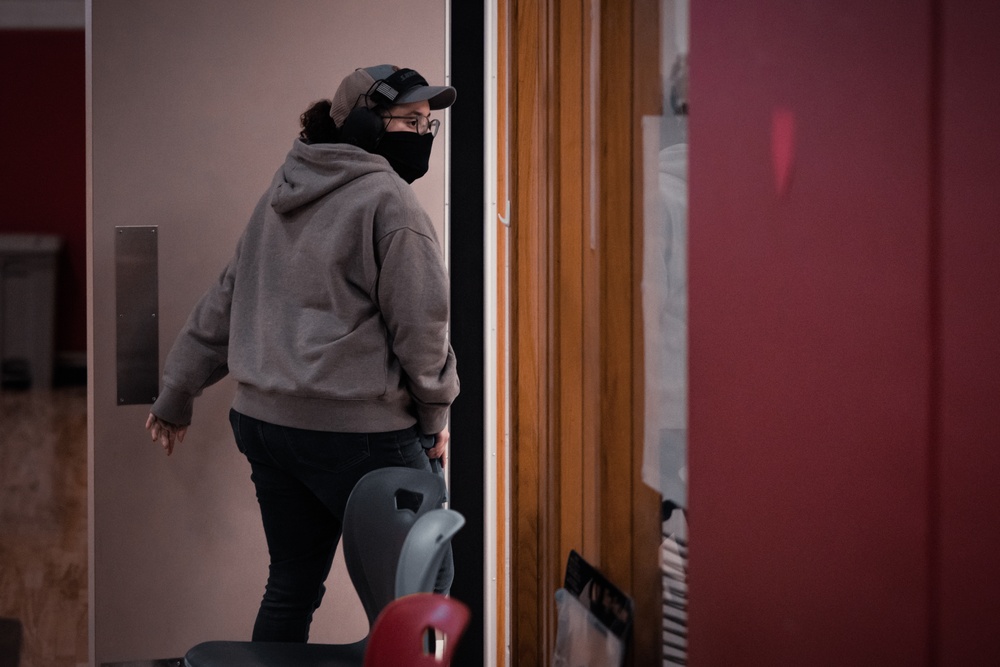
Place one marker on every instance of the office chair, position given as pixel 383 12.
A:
pixel 424 549
pixel 398 636
pixel 390 510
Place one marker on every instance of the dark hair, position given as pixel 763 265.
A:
pixel 317 126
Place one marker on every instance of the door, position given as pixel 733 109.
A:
pixel 193 106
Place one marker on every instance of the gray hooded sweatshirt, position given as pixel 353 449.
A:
pixel 333 313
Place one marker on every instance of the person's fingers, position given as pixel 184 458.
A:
pixel 164 433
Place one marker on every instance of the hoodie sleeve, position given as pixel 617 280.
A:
pixel 412 293
pixel 199 356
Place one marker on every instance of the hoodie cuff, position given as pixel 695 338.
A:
pixel 173 406
pixel 431 421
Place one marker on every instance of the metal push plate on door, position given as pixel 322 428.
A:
pixel 137 306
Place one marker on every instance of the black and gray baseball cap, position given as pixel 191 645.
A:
pixel 386 85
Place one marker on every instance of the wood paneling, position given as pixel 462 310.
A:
pixel 568 223
pixel 531 572
pixel 576 97
pixel 642 19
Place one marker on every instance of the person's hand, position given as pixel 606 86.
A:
pixel 440 446
pixel 165 432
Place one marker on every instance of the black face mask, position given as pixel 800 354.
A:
pixel 407 152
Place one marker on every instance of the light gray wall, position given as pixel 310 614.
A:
pixel 193 106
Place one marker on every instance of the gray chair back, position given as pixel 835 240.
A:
pixel 381 510
pixel 424 549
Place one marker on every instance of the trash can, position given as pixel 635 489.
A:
pixel 27 309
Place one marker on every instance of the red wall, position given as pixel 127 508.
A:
pixel 43 158
pixel 968 281
pixel 843 333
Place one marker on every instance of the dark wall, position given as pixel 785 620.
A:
pixel 43 158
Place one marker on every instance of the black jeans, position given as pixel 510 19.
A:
pixel 303 479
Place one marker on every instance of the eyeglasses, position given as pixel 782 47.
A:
pixel 419 124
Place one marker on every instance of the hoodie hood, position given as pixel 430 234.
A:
pixel 312 171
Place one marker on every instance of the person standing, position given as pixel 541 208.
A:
pixel 332 317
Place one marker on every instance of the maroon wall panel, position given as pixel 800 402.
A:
pixel 43 158
pixel 809 333
pixel 969 249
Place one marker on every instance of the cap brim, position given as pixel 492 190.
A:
pixel 439 97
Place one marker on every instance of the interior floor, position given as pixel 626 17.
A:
pixel 43 523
